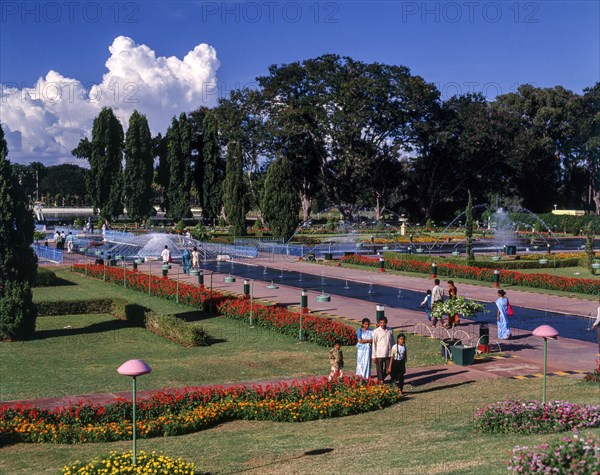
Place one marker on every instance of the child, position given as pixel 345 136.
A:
pixel 336 360
pixel 427 303
pixel 397 366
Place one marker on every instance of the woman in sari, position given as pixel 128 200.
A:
pixel 364 337
pixel 504 332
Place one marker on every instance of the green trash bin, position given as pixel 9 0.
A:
pixel 511 250
pixel 463 355
pixel 328 256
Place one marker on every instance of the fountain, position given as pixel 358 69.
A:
pixel 265 270
pixel 346 280
pixel 370 285
pixel 299 276
pixel 323 278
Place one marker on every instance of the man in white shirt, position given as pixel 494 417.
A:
pixel 383 341
pixel 437 296
pixel 166 255
pixel 596 325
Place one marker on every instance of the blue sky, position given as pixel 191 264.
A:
pixel 462 46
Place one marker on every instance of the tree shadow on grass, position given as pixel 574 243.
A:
pixel 429 378
pixel 308 453
pixel 107 326
pixel 194 316
pixel 439 388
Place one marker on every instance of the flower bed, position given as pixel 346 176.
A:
pixel 533 417
pixel 168 413
pixel 122 463
pixel 573 455
pixel 320 330
pixel 507 277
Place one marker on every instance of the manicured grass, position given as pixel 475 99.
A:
pixel 79 354
pixel 428 432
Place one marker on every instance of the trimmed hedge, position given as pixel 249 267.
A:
pixel 44 278
pixel 74 307
pixel 176 329
pixel 167 326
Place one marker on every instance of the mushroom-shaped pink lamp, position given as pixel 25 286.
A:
pixel 545 332
pixel 134 368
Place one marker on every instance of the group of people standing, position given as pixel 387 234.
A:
pixel 189 260
pixel 434 297
pixel 61 240
pixel 379 347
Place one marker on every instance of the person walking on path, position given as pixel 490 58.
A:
pixel 452 293
pixel 383 340
pixel 427 304
pixel 364 337
pixel 166 255
pixel 596 325
pixel 503 304
pixel 186 261
pixel 195 258
pixel 336 361
pixel 437 297
pixel 397 366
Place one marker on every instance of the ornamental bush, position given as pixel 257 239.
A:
pixel 534 417
pixel 122 463
pixel 176 412
pixel 575 455
pixel 175 329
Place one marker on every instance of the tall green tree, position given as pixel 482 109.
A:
pixel 281 200
pixel 104 154
pixel 196 119
pixel 161 173
pixel 180 175
pixel 18 264
pixel 234 190
pixel 214 170
pixel 139 168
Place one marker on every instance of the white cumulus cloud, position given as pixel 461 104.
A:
pixel 45 122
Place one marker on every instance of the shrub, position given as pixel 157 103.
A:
pixel 573 455
pixel 17 311
pixel 176 329
pixel 122 463
pixel 533 417
pixel 44 278
pixel 74 307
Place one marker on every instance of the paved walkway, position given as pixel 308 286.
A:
pixel 521 356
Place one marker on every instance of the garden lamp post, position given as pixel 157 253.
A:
pixel 210 299
pixel 249 286
pixel 545 332
pixel 134 368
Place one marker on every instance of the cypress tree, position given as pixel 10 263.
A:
pixel 104 154
pixel 180 175
pixel 280 199
pixel 214 170
pixel 234 196
pixel 139 168
pixel 18 265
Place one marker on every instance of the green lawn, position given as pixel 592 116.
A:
pixel 79 354
pixel 427 433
